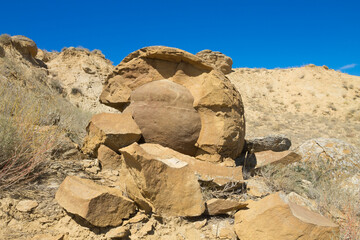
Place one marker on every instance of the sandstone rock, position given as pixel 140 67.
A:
pixel 217 60
pixel 112 130
pixel 169 184
pixel 257 187
pixel 269 157
pixel 205 171
pixel 272 218
pixel 164 112
pixel 200 224
pixel 276 143
pixel 119 232
pixel 340 158
pixel 100 205
pixel 218 206
pixel 215 98
pixel 26 205
pixel 108 158
pixel 24 45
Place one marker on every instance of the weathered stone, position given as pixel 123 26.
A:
pixel 112 130
pixel 274 219
pixel 99 205
pixel 218 206
pixel 108 158
pixel 216 59
pixel 215 98
pixel 341 159
pixel 169 184
pixel 164 112
pixel 205 171
pixel 257 187
pixel 26 205
pixel 269 157
pixel 24 45
pixel 276 143
pixel 118 233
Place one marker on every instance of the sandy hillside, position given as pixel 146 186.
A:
pixel 302 103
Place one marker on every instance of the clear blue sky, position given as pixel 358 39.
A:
pixel 254 33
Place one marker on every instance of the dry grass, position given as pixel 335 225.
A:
pixel 26 135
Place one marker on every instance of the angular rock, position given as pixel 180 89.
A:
pixel 274 219
pixel 118 233
pixel 109 159
pixel 99 205
pixel 168 184
pixel 205 171
pixel 218 206
pixel 26 205
pixel 269 157
pixel 256 187
pixel 216 59
pixel 164 112
pixel 216 100
pixel 276 143
pixel 112 130
pixel 24 45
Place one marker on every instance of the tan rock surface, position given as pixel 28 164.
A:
pixel 216 100
pixel 100 205
pixel 164 112
pixel 168 184
pixel 26 205
pixel 272 218
pixel 108 158
pixel 205 171
pixel 217 60
pixel 25 45
pixel 270 157
pixel 113 130
pixel 218 206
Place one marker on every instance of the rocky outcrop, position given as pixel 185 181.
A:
pixel 99 205
pixel 218 206
pixel 276 143
pixel 113 130
pixel 216 59
pixel 273 218
pixel 164 112
pixel 168 184
pixel 24 45
pixel 215 98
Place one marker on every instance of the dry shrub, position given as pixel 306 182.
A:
pixel 322 184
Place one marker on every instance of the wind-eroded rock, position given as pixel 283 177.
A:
pixel 168 184
pixel 215 99
pixel 100 205
pixel 273 219
pixel 217 60
pixel 164 112
pixel 112 130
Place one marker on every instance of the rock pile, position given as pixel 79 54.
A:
pixel 178 139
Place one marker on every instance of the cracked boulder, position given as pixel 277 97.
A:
pixel 214 99
pixel 99 205
pixel 167 185
pixel 216 59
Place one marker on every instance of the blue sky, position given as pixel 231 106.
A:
pixel 254 33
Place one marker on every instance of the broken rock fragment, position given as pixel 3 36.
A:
pixel 99 205
pixel 218 206
pixel 112 130
pixel 273 218
pixel 168 184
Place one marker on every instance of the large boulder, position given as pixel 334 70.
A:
pixel 113 130
pixel 168 185
pixel 99 205
pixel 216 59
pixel 273 218
pixel 164 112
pixel 24 45
pixel 216 100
